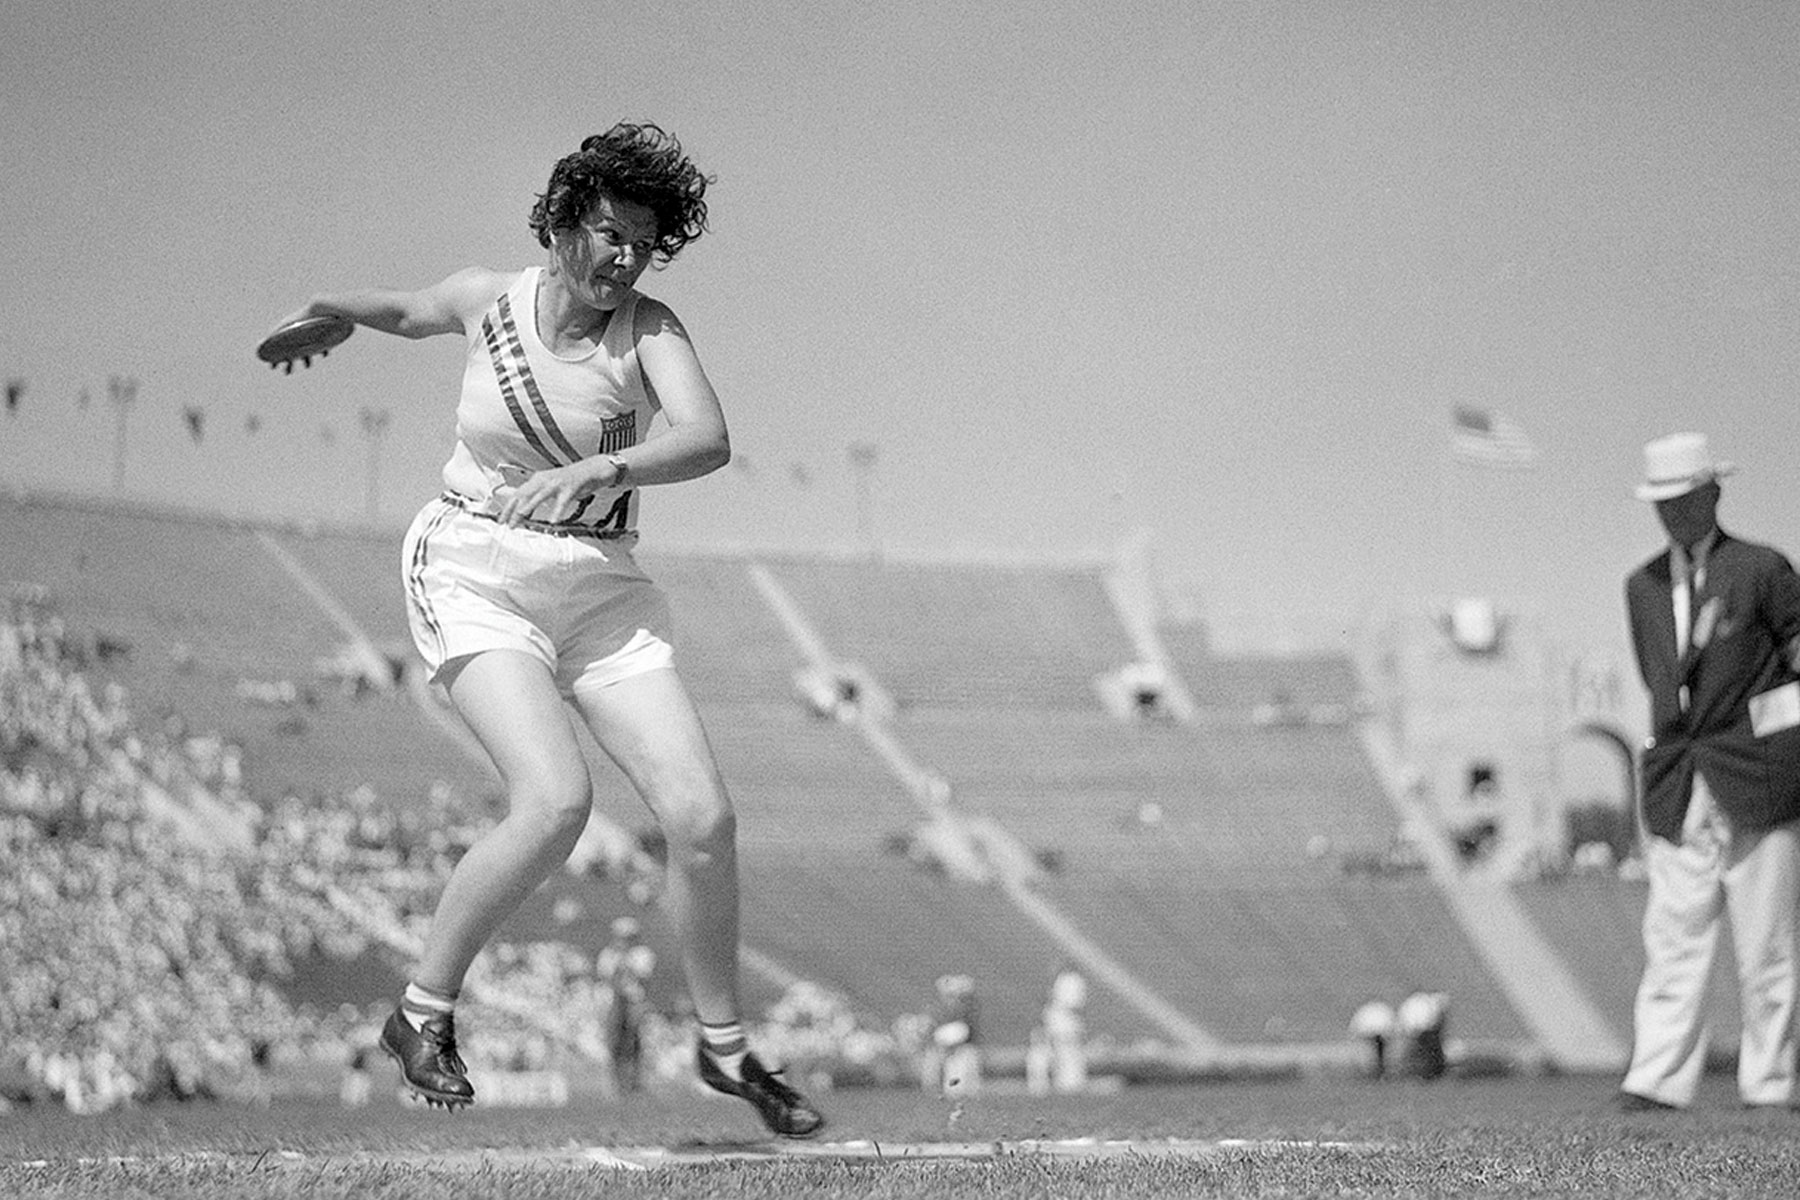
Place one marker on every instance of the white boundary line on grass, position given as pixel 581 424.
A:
pixel 1074 1150
pixel 861 1150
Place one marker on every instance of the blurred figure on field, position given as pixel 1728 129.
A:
pixel 357 1085
pixel 624 967
pixel 1057 1057
pixel 1715 623
pixel 1420 1022
pixel 1374 1024
pixel 953 1059
pixel 1481 827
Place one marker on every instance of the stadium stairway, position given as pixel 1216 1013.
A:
pixel 1548 996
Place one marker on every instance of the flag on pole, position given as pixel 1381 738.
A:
pixel 1484 437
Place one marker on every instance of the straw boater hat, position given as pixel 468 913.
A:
pixel 1677 464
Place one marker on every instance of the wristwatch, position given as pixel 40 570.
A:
pixel 624 471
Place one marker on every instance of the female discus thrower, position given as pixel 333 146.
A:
pixel 522 592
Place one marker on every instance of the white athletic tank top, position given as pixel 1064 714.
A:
pixel 523 406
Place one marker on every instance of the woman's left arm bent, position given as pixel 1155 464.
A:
pixel 697 441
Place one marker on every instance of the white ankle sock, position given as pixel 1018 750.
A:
pixel 726 1045
pixel 418 1005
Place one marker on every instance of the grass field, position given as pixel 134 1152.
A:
pixel 1315 1137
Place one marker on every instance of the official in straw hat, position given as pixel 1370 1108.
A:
pixel 1715 623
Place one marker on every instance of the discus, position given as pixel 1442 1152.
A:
pixel 304 339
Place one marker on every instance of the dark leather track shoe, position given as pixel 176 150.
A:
pixel 786 1112
pixel 428 1059
pixel 1634 1102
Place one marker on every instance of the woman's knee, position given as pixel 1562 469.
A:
pixel 700 827
pixel 554 807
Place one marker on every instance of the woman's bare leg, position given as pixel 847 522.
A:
pixel 511 703
pixel 649 726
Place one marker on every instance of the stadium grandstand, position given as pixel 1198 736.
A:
pixel 994 770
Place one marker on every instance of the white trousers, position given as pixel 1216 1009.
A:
pixel 1754 881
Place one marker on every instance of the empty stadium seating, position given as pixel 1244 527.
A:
pixel 1031 638
pixel 1232 801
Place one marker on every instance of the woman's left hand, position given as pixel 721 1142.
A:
pixel 551 495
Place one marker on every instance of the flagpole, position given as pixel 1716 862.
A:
pixel 862 457
pixel 1446 568
pixel 374 422
pixel 122 391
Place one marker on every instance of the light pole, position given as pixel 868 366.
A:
pixel 374 423
pixel 121 390
pixel 862 461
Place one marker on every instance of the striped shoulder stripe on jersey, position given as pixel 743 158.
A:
pixel 509 390
pixel 514 371
pixel 415 576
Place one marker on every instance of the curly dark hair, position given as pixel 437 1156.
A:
pixel 638 163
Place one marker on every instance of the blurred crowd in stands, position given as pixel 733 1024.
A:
pixel 136 960
pixel 151 913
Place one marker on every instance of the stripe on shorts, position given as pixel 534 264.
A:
pixel 415 575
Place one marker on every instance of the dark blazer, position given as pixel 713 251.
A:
pixel 1755 598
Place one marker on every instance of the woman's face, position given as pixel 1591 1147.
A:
pixel 600 259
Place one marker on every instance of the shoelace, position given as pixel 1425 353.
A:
pixel 778 1087
pixel 441 1033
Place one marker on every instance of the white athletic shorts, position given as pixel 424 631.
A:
pixel 581 605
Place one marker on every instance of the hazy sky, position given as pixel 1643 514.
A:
pixel 1215 270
